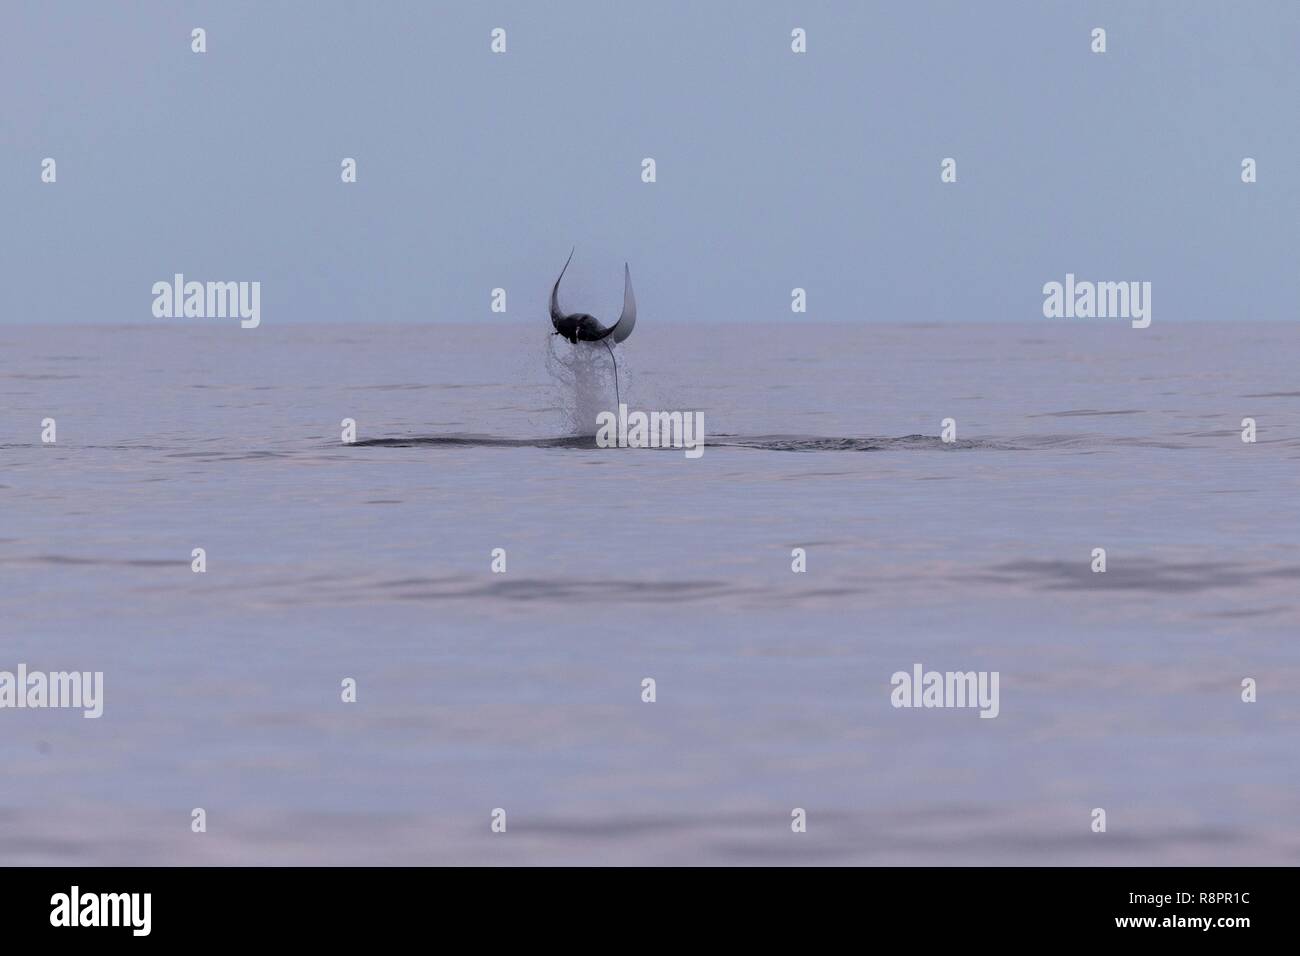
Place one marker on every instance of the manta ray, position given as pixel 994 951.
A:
pixel 581 327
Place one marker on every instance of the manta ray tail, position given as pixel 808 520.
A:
pixel 617 400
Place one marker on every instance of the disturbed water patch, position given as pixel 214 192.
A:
pixel 1137 574
pixel 797 443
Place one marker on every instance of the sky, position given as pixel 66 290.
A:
pixel 775 170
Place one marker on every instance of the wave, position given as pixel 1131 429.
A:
pixel 797 443
pixel 794 443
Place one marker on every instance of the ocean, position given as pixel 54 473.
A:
pixel 518 695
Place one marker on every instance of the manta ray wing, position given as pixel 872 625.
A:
pixel 557 314
pixel 627 321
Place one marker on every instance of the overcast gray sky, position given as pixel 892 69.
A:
pixel 775 170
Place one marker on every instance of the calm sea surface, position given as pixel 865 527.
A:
pixel 522 690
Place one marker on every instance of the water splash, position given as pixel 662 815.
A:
pixel 584 375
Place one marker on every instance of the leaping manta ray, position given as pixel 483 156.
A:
pixel 581 327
